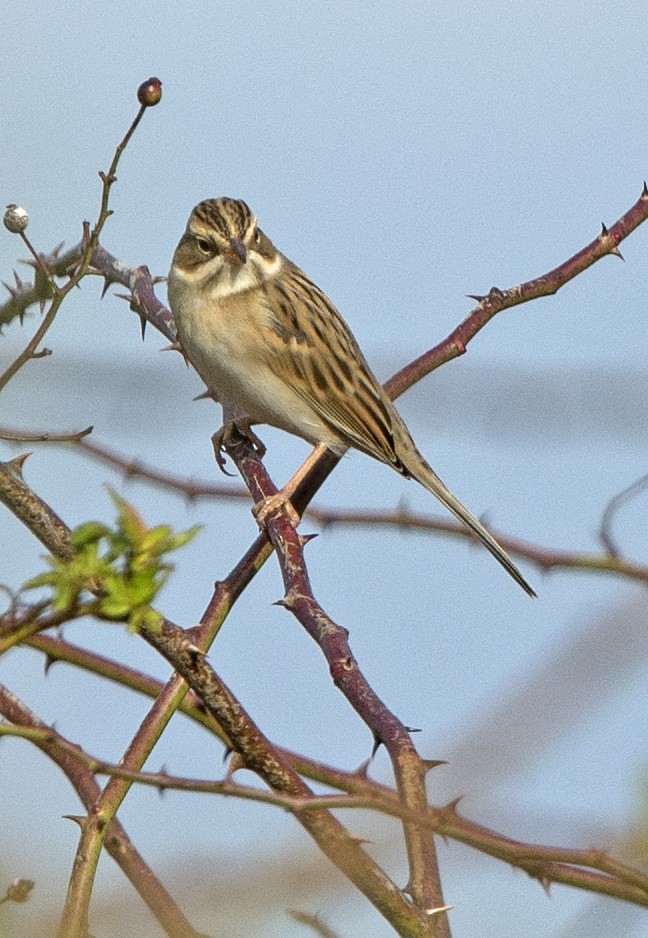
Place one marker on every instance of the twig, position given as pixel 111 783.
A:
pixel 45 436
pixel 402 518
pixel 314 922
pixel 611 510
pixel 117 841
pixel 180 648
pixel 497 300
pixel 35 514
pixel 566 865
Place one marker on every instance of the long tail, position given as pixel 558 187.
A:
pixel 426 476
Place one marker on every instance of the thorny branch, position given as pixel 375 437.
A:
pixel 424 884
pixel 548 864
pixel 183 651
pixel 402 518
pixel 187 657
pixel 117 842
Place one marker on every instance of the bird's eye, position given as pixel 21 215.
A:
pixel 204 246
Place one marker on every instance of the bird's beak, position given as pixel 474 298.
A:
pixel 236 254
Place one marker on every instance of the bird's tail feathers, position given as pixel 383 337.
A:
pixel 426 476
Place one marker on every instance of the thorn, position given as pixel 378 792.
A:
pixel 305 538
pixel 49 661
pixel 314 921
pixel 288 602
pixel 236 763
pixel 363 768
pixel 430 764
pixel 142 325
pixel 18 462
pixel 12 292
pixel 227 752
pixel 495 293
pixel 545 882
pixel 413 729
pixel 107 284
pixel 194 650
pixel 206 395
pixel 174 347
pixel 77 818
pixel 617 253
pixel 376 745
pixel 644 191
pixel 125 296
pixel 451 807
pixel 604 230
pixel 281 602
pixel 359 839
pixel 161 786
pixel 479 298
pixel 86 234
pixel 19 282
pixel 155 280
pixel 438 910
pixel 57 250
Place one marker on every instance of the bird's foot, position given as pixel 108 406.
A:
pixel 268 507
pixel 228 433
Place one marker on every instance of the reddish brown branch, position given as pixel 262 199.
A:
pixel 117 841
pixel 497 300
pixel 145 303
pixel 547 863
pixel 410 771
pixel 255 750
pixel 402 518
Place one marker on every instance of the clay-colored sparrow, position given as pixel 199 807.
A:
pixel 266 340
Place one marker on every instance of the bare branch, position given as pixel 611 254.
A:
pixel 117 842
pixel 424 884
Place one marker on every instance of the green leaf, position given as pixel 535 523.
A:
pixel 90 532
pixel 125 567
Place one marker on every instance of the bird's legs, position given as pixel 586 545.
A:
pixel 282 500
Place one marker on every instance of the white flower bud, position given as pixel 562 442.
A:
pixel 15 219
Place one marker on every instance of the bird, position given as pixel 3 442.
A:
pixel 273 349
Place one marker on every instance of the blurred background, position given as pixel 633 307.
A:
pixel 404 155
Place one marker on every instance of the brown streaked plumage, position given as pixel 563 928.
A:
pixel 268 342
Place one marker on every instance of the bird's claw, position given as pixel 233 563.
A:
pixel 228 433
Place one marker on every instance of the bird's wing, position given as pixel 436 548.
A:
pixel 310 345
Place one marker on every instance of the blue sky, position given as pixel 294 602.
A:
pixel 404 155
